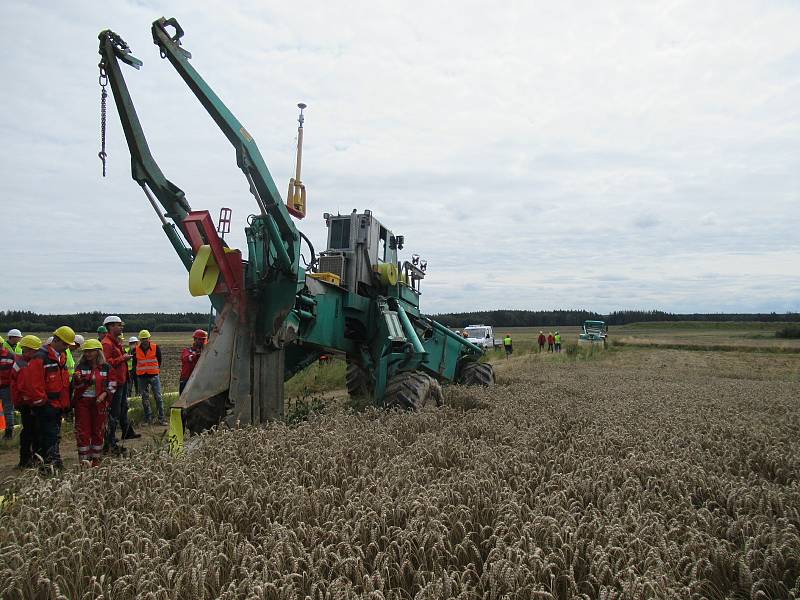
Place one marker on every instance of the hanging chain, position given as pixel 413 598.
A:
pixel 103 95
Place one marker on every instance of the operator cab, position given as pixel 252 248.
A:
pixel 362 254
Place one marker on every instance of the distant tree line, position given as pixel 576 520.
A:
pixel 90 321
pixel 537 318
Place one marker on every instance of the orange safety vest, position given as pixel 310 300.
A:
pixel 147 362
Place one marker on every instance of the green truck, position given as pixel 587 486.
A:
pixel 594 333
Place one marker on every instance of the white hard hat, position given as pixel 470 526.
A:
pixel 111 319
pixel 14 333
pixel 79 339
pixel 133 339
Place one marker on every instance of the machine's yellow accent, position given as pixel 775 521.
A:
pixel 388 273
pixel 175 435
pixel 204 273
pixel 296 198
pixel 331 278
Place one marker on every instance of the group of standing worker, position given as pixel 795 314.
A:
pixel 553 341
pixel 43 383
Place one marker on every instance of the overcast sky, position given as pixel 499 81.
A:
pixel 539 155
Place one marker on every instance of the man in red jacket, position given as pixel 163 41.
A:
pixel 118 361
pixel 190 356
pixel 28 434
pixel 47 386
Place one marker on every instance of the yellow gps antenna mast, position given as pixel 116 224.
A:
pixel 296 198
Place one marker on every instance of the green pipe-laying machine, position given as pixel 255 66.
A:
pixel 274 317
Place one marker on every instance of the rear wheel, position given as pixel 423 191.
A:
pixel 412 390
pixel 476 374
pixel 359 383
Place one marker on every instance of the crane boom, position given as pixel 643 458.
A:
pixel 248 156
pixel 144 169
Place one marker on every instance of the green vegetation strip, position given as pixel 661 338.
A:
pixel 709 347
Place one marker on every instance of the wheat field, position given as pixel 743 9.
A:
pixel 635 473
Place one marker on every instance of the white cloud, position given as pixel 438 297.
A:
pixel 710 218
pixel 604 156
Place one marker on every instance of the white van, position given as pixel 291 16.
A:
pixel 482 335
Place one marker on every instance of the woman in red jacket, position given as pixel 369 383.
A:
pixel 93 388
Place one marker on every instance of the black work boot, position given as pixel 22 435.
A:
pixel 9 433
pixel 130 434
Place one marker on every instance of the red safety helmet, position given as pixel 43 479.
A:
pixel 200 333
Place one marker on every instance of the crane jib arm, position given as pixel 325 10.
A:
pixel 248 156
pixel 196 227
pixel 144 169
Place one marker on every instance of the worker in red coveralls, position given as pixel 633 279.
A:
pixel 28 434
pixel 92 390
pixel 542 340
pixel 47 385
pixel 190 356
pixel 117 359
pixel 551 342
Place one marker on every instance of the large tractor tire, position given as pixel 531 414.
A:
pixel 412 390
pixel 475 373
pixel 359 383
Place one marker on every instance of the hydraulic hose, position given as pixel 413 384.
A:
pixel 313 264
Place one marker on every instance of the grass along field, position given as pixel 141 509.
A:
pixel 634 473
pixel 688 335
pixel 745 336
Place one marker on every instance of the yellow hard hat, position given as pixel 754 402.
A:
pixel 31 341
pixel 92 345
pixel 65 334
pixel 144 334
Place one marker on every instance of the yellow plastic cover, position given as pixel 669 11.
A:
pixel 332 278
pixel 388 273
pixel 204 274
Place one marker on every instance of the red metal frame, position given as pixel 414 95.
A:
pixel 200 228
